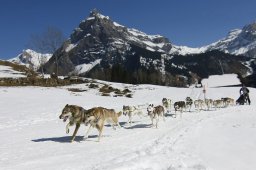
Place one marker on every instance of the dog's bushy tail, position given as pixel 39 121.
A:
pixel 119 113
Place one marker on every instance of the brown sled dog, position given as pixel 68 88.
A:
pixel 76 116
pixel 97 116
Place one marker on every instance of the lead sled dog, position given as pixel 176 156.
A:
pixel 95 117
pixel 76 116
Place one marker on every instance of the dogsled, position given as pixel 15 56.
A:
pixel 242 100
pixel 244 96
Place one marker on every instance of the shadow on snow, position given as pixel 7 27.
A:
pixel 139 126
pixel 63 139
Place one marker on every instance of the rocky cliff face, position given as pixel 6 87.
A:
pixel 100 39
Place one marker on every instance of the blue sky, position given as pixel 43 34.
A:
pixel 192 23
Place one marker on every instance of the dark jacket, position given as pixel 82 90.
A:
pixel 244 90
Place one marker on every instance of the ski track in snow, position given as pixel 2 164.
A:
pixel 32 136
pixel 163 152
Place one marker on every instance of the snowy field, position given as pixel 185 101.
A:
pixel 33 137
pixel 8 72
pixel 221 80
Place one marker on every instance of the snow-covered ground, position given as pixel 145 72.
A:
pixel 33 137
pixel 8 72
pixel 221 80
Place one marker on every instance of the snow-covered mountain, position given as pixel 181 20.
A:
pixel 103 49
pixel 98 37
pixel 31 59
pixel 238 41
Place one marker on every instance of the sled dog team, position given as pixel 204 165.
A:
pixel 97 116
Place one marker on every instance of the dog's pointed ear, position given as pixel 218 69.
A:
pixel 66 105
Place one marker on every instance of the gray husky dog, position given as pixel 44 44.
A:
pixel 227 101
pixel 180 105
pixel 189 103
pixel 208 103
pixel 199 104
pixel 131 111
pixel 167 104
pixel 155 113
pixel 76 116
pixel 218 103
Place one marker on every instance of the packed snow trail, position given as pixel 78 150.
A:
pixel 189 144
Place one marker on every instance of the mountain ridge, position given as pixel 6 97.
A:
pixel 104 49
pixel 244 40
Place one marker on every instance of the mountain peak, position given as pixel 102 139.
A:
pixel 101 28
pixel 95 13
pixel 31 59
pixel 250 28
